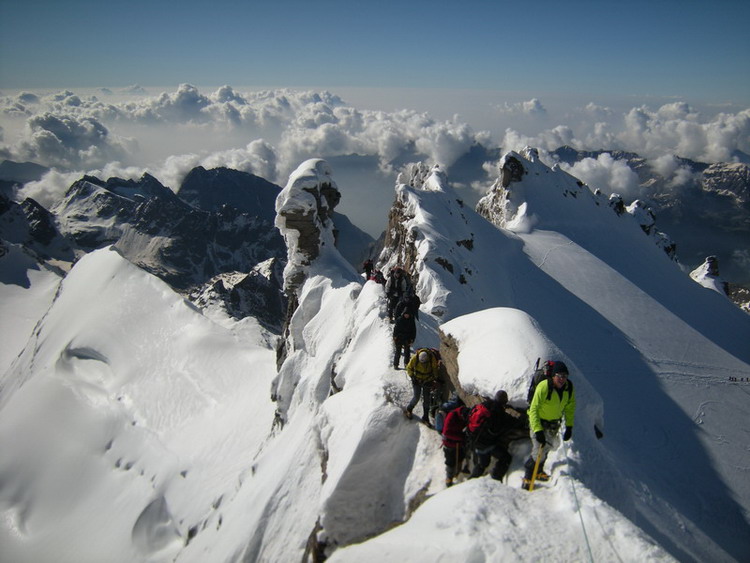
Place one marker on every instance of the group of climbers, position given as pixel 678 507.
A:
pixel 371 273
pixel 486 430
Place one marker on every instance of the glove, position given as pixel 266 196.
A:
pixel 568 433
pixel 540 438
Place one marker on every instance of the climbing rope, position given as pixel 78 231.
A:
pixel 578 507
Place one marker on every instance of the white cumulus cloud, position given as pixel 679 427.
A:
pixel 606 174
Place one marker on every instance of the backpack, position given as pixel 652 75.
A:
pixel 541 373
pixel 478 415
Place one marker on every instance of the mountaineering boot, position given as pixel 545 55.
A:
pixel 529 471
pixel 449 482
pixel 501 467
pixel 541 476
pixel 407 413
pixel 529 467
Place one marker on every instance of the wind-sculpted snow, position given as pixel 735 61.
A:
pixel 648 339
pixel 149 432
pixel 126 398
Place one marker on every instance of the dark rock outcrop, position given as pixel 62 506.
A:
pixel 209 190
pixel 158 231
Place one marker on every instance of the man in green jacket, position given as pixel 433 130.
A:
pixel 553 398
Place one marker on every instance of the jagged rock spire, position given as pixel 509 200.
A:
pixel 304 209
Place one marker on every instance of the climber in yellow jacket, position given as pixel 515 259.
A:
pixel 554 398
pixel 424 371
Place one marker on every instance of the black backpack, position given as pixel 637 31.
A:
pixel 540 374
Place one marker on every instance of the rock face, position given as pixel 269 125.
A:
pixel 258 291
pixel 209 190
pixel 32 227
pixel 304 212
pixel 304 217
pixel 505 203
pixel 156 230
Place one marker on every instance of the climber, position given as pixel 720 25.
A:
pixel 424 371
pixel 396 286
pixel 493 425
pixel 404 333
pixel 367 267
pixel 454 441
pixel 553 399
pixel 408 302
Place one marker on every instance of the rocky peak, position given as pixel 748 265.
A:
pixel 210 189
pixel 399 245
pixel 496 206
pixel 304 211
pixel 156 230
pixel 33 227
pixel 256 293
pixel 731 180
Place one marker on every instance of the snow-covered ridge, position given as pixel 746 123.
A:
pixel 213 469
pixel 610 300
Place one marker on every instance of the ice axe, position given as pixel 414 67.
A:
pixel 536 467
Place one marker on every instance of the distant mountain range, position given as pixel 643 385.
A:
pixel 221 221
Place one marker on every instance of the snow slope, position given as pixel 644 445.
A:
pixel 134 428
pixel 26 291
pixel 113 416
pixel 658 348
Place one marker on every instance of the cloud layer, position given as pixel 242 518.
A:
pixel 270 132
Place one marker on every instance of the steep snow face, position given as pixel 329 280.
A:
pixel 149 434
pixel 655 346
pixel 136 414
pixel 26 290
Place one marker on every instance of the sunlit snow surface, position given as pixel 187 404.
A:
pixel 134 428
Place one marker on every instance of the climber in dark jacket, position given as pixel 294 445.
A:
pixel 396 286
pixel 367 267
pixel 492 426
pixel 408 302
pixel 404 333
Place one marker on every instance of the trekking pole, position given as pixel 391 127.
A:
pixel 536 468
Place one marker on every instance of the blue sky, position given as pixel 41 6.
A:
pixel 695 51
